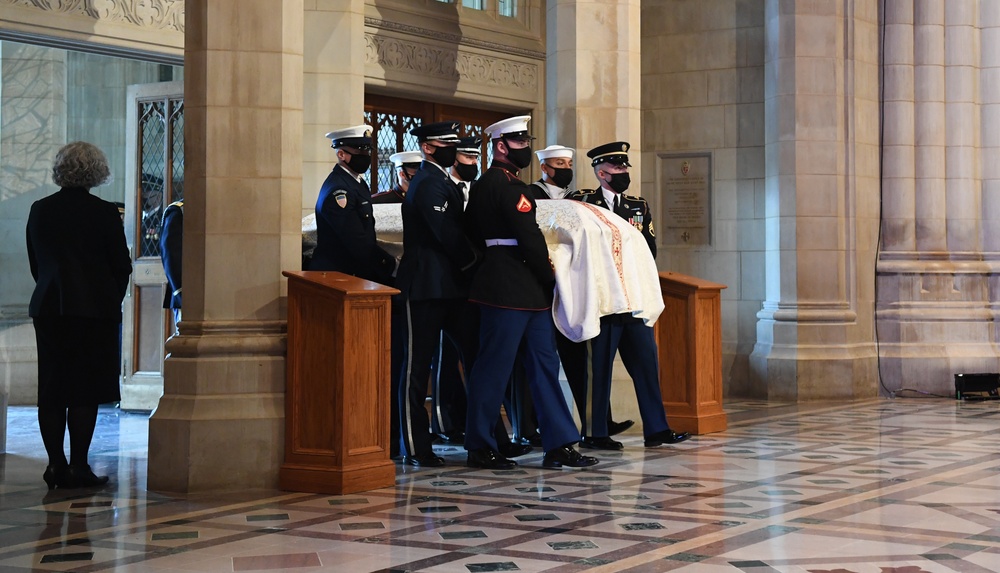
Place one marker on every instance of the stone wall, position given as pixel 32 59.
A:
pixel 703 92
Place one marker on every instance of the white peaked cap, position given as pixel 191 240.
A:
pixel 511 126
pixel 554 151
pixel 359 134
pixel 398 159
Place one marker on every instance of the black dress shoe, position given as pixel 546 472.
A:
pixel 667 436
pixel 57 475
pixel 454 437
pixel 512 450
pixel 82 476
pixel 424 461
pixel 566 457
pixel 600 444
pixel 615 428
pixel 489 460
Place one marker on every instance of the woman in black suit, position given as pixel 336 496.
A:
pixel 81 264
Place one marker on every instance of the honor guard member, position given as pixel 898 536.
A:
pixel 466 167
pixel 514 289
pixel 345 225
pixel 556 163
pixel 447 372
pixel 623 333
pixel 406 164
pixel 434 279
pixel 171 251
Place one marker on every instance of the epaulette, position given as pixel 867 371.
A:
pixel 177 204
pixel 585 191
pixel 633 198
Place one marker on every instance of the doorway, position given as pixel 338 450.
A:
pixel 154 177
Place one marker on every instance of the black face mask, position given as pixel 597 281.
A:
pixel 619 182
pixel 562 176
pixel 359 163
pixel 467 172
pixel 445 156
pixel 519 158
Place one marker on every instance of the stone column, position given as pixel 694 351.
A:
pixel 898 185
pixel 593 80
pixel 935 318
pixel 592 96
pixel 220 422
pixel 989 94
pixel 33 108
pixel 815 335
pixel 989 112
pixel 334 69
pixel 962 129
pixel 929 125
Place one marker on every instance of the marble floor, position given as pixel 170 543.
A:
pixel 887 486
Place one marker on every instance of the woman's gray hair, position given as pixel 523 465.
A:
pixel 80 164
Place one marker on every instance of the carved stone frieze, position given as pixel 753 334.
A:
pixel 158 14
pixel 450 64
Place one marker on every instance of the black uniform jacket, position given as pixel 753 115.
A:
pixel 171 252
pixel 437 256
pixel 633 209
pixel 78 256
pixel 501 206
pixel 345 231
pixel 394 195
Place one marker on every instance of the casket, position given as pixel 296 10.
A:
pixel 603 265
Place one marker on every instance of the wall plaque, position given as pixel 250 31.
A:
pixel 685 181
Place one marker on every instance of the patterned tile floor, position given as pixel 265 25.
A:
pixel 901 486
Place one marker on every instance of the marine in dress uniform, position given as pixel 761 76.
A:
pixel 434 278
pixel 171 252
pixel 345 225
pixel 406 164
pixel 622 332
pixel 556 164
pixel 514 288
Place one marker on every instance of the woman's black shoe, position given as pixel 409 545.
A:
pixel 56 476
pixel 82 476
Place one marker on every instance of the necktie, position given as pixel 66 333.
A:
pixel 615 204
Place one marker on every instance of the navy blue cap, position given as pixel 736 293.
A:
pixel 616 153
pixel 470 145
pixel 443 131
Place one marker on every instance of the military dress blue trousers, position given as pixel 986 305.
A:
pixel 637 344
pixel 501 331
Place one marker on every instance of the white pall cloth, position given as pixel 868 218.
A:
pixel 603 266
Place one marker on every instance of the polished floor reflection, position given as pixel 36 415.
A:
pixel 901 486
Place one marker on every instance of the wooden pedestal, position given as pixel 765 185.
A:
pixel 337 389
pixel 689 339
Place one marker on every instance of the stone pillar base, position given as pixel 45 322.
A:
pixel 802 374
pixel 805 353
pixel 220 424
pixel 142 393
pixel 213 443
pixel 18 362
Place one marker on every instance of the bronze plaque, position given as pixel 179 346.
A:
pixel 686 200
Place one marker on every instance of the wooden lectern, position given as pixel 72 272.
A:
pixel 337 389
pixel 689 342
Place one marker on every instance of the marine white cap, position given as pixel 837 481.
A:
pixel 403 157
pixel 553 151
pixel 512 126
